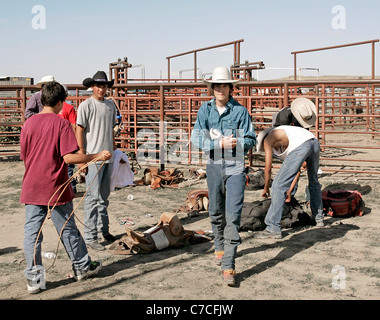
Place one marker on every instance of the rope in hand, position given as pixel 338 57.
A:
pixel 64 186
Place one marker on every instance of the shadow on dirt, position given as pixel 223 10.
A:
pixel 294 245
pixel 139 260
pixel 349 186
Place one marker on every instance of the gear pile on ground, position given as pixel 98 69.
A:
pixel 169 232
pixel 196 201
pixel 161 178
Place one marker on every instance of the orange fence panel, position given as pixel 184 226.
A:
pixel 158 118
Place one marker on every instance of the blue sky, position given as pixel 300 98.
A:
pixel 84 36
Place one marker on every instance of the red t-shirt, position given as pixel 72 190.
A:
pixel 68 112
pixel 45 139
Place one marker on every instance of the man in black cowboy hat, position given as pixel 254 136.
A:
pixel 96 118
pixel 100 78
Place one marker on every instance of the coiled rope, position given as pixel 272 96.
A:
pixel 64 186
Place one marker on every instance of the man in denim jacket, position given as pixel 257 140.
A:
pixel 224 131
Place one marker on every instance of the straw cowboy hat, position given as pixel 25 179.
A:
pixel 305 111
pixel 99 77
pixel 44 80
pixel 221 75
pixel 261 137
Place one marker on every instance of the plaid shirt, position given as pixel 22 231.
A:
pixel 235 120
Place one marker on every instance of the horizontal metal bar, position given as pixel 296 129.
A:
pixel 338 46
pixel 206 48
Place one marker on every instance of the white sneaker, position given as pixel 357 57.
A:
pixel 319 224
pixel 38 282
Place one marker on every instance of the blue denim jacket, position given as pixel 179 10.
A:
pixel 235 120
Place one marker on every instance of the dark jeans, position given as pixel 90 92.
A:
pixel 226 182
pixel 71 172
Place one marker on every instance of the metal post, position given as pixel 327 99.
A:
pixel 162 129
pixel 23 104
pixel 168 69
pixel 373 60
pixel 286 95
pixel 195 66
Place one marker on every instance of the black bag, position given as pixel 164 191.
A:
pixel 253 215
pixel 293 215
pixel 255 180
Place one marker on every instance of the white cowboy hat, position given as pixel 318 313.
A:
pixel 221 75
pixel 261 137
pixel 44 80
pixel 305 111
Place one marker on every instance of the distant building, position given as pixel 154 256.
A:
pixel 7 81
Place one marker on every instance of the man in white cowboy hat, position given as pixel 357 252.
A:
pixel 294 145
pixel 302 113
pixel 34 104
pixel 96 118
pixel 223 130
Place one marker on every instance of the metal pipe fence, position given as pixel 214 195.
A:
pixel 158 118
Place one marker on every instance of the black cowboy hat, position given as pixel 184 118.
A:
pixel 99 77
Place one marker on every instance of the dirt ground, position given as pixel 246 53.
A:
pixel 338 261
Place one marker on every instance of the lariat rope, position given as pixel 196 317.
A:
pixel 64 186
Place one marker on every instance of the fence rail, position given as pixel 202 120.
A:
pixel 158 118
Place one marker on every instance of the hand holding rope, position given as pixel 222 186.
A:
pixel 102 156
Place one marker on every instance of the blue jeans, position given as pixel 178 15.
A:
pixel 309 152
pixel 71 238
pixel 98 185
pixel 70 169
pixel 226 182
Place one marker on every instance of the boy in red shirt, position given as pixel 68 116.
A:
pixel 48 144
pixel 68 113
